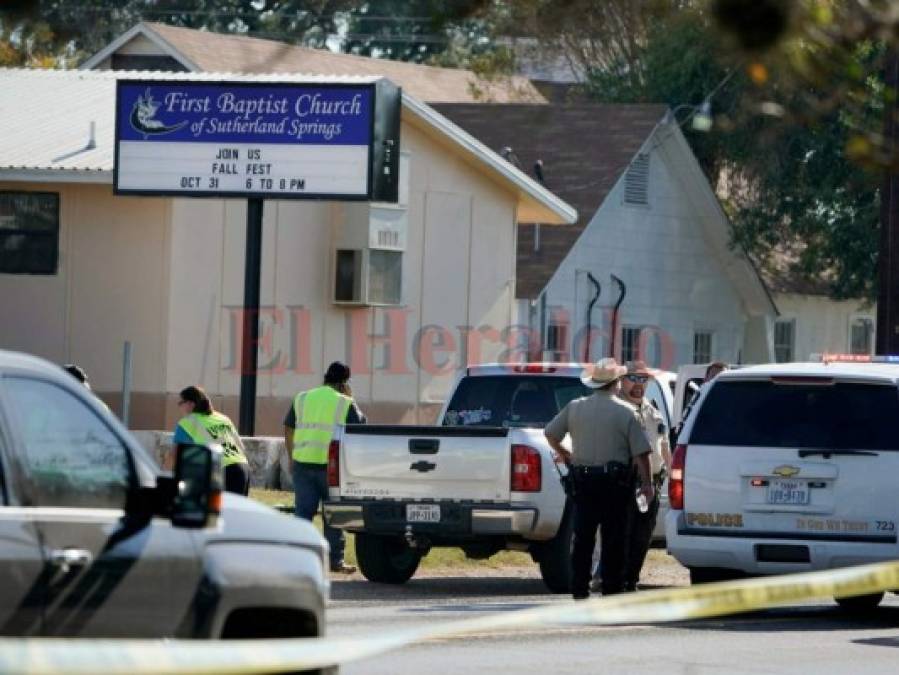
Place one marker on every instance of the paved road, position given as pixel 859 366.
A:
pixel 813 638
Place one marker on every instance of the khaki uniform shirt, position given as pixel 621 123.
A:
pixel 603 429
pixel 654 425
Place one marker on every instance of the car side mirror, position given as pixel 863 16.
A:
pixel 198 486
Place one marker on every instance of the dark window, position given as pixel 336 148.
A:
pixel 70 456
pixel 557 340
pixel 516 401
pixel 784 340
pixel 29 232
pixel 630 343
pixel 146 62
pixel 840 416
pixel 702 346
pixel 861 336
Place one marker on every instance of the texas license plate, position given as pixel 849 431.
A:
pixel 788 492
pixel 423 513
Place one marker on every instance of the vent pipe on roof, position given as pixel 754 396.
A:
pixel 598 287
pixel 90 145
pixel 622 290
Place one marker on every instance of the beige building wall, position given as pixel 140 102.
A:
pixel 111 286
pixel 458 270
pixel 168 275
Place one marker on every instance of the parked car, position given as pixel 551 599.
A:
pixel 484 479
pixel 788 468
pixel 98 542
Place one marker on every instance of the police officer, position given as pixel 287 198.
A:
pixel 203 425
pixel 633 390
pixel 606 438
pixel 711 372
pixel 313 419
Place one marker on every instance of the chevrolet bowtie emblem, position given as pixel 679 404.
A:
pixel 422 466
pixel 786 471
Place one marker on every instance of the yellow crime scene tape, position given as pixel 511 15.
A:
pixel 37 656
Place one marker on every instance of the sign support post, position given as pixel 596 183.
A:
pixel 249 352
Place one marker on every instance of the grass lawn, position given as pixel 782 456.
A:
pixel 436 559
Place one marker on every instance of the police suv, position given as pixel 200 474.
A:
pixel 789 468
pixel 98 542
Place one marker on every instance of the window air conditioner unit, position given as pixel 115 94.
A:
pixel 368 259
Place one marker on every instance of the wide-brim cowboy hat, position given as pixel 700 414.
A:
pixel 603 372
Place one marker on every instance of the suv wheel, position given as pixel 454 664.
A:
pixel 386 560
pixel 860 604
pixel 554 557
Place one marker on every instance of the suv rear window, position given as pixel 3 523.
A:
pixel 511 401
pixel 840 416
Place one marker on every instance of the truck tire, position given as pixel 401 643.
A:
pixel 555 556
pixel 386 560
pixel 860 604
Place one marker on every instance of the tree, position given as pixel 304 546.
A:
pixel 793 194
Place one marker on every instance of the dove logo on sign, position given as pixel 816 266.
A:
pixel 143 117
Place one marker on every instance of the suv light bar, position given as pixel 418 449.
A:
pixel 859 358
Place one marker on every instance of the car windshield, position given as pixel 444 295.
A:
pixel 511 401
pixel 768 414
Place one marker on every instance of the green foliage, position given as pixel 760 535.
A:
pixel 73 29
pixel 789 187
pixel 450 33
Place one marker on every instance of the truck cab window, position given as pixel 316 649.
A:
pixel 70 456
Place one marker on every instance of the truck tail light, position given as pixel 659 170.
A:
pixel 334 464
pixel 676 479
pixel 526 470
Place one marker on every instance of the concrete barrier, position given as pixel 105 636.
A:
pixel 269 463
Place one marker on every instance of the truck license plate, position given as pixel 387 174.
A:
pixel 423 513
pixel 789 492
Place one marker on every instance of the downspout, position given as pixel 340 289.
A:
pixel 623 289
pixel 590 315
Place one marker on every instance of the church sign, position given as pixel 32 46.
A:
pixel 283 140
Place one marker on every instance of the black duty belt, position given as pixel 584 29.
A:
pixel 313 466
pixel 597 470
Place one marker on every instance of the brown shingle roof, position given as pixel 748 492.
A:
pixel 585 148
pixel 216 52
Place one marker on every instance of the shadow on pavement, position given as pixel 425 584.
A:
pixel 797 619
pixel 431 588
pixel 878 642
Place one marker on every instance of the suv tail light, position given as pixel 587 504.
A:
pixel 526 471
pixel 676 479
pixel 534 368
pixel 334 464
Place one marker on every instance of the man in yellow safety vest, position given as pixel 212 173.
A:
pixel 313 419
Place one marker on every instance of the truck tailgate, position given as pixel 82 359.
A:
pixel 409 462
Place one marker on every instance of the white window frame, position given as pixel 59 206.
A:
pixel 713 340
pixel 865 317
pixel 784 320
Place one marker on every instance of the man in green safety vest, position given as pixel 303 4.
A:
pixel 313 419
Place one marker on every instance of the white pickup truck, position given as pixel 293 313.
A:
pixel 484 479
